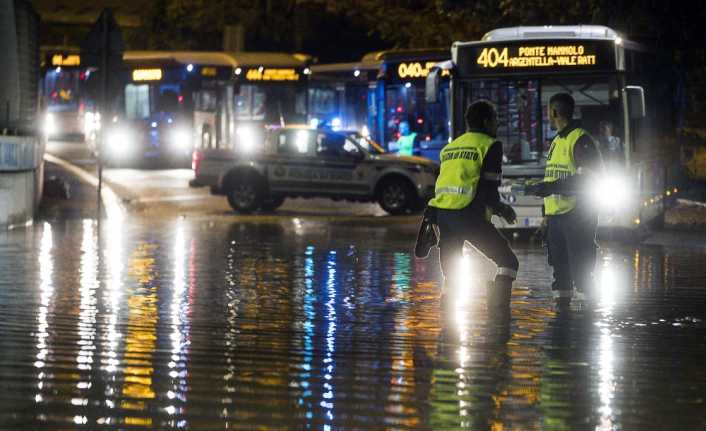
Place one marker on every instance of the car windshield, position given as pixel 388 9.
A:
pixel 370 146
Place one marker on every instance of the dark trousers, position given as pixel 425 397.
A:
pixel 571 243
pixel 458 226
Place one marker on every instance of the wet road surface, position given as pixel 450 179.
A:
pixel 307 324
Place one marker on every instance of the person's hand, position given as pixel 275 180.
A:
pixel 506 212
pixel 537 189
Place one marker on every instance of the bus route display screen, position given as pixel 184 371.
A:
pixel 537 56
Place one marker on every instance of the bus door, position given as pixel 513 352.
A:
pixel 376 112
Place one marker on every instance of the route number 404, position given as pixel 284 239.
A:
pixel 492 57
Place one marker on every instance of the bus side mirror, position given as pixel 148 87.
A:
pixel 636 102
pixel 431 90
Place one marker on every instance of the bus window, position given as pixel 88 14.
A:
pixel 206 101
pixel 61 87
pixel 519 115
pixel 598 108
pixel 405 103
pixel 168 101
pixel 250 103
pixel 137 101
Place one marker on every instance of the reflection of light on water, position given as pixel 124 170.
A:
pixel 46 292
pixel 609 280
pixel 606 385
pixel 329 365
pixel 113 256
pixel 141 337
pixel 180 325
pixel 462 294
pixel 88 307
pixel 609 285
pixel 308 327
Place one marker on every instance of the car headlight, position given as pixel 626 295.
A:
pixel 246 139
pixel 611 192
pixel 49 124
pixel 181 138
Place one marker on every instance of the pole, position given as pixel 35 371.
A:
pixel 103 105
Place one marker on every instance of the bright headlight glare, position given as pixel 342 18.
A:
pixel 49 124
pixel 181 138
pixel 117 139
pixel 246 138
pixel 611 192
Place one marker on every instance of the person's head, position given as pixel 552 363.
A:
pixel 561 110
pixel 404 128
pixel 605 128
pixel 481 115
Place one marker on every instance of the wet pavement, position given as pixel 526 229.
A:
pixel 298 323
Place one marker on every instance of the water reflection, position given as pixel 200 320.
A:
pixel 316 326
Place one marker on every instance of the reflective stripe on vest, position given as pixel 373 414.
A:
pixel 561 165
pixel 461 163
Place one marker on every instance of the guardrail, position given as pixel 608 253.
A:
pixel 21 178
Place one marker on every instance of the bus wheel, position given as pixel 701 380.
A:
pixel 396 196
pixel 272 203
pixel 245 197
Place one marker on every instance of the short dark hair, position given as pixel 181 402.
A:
pixel 564 105
pixel 478 113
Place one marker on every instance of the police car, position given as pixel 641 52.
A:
pixel 296 161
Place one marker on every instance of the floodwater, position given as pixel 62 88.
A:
pixel 302 324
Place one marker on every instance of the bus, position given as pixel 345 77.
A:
pixel 63 94
pixel 383 96
pixel 171 103
pixel 622 98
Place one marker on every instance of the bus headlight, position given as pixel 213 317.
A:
pixel 49 124
pixel 246 139
pixel 611 192
pixel 181 139
pixel 117 140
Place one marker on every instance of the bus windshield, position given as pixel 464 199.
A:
pixel 270 103
pixel 522 105
pixel 405 103
pixel 144 100
pixel 61 88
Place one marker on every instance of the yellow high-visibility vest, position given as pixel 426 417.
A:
pixel 461 163
pixel 561 165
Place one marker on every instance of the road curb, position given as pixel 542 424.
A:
pixel 113 202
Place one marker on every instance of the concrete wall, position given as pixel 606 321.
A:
pixel 21 178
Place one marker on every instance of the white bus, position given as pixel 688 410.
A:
pixel 618 86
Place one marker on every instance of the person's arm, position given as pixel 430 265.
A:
pixel 491 174
pixel 588 160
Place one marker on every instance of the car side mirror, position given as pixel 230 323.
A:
pixel 636 102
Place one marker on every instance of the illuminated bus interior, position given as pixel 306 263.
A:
pixel 405 102
pixel 522 105
pixel 62 88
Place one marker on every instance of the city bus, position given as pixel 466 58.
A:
pixel 63 93
pixel 383 96
pixel 171 103
pixel 622 98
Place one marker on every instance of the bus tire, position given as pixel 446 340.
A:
pixel 397 196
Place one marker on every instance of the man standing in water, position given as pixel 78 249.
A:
pixel 466 196
pixel 571 222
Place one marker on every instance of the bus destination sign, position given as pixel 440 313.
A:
pixel 266 74
pixel 537 56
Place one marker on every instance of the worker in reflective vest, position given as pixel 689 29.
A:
pixel 405 143
pixel 466 196
pixel 573 160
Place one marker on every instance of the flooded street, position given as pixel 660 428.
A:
pixel 310 324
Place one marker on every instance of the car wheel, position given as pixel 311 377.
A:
pixel 397 196
pixel 245 197
pixel 272 203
